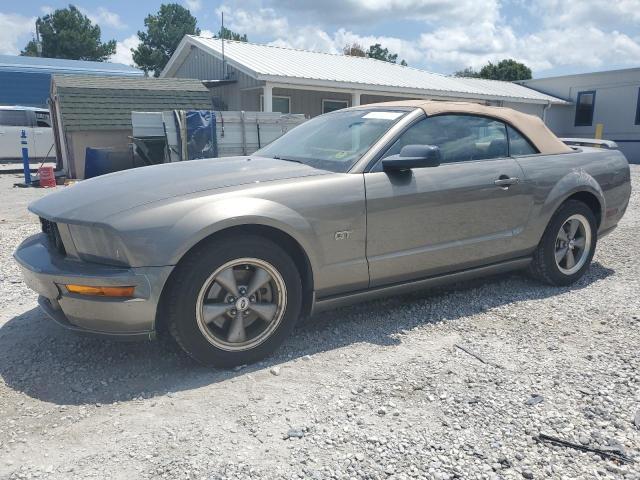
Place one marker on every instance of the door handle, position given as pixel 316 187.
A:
pixel 505 182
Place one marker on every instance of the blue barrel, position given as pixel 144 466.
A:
pixel 100 161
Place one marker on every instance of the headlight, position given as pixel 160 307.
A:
pixel 98 245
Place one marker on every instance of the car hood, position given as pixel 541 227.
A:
pixel 96 199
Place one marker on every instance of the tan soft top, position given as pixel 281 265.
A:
pixel 530 126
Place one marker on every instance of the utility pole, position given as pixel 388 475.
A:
pixel 224 65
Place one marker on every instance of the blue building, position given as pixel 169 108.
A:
pixel 27 80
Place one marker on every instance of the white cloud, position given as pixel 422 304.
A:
pixel 261 21
pixel 547 34
pixel 104 17
pixel 365 12
pixel 123 50
pixel 266 22
pixel 193 5
pixel 580 46
pixel 601 13
pixel 15 32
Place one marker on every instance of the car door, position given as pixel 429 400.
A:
pixel 12 122
pixel 463 213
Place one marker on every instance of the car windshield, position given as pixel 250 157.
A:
pixel 334 141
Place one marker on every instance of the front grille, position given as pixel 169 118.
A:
pixel 50 229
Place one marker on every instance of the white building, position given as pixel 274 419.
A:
pixel 247 76
pixel 600 103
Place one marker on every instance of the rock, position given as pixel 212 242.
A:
pixel 382 411
pixel 636 420
pixel 528 474
pixel 583 439
pixel 535 399
pixel 294 433
pixel 275 371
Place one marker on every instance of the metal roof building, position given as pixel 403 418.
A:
pixel 301 81
pixel 26 80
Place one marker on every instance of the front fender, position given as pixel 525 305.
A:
pixel 220 215
pixel 161 233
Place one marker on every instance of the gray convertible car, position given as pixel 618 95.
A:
pixel 226 254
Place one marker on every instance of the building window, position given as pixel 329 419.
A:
pixel 278 104
pixel 638 109
pixel 333 105
pixel 584 108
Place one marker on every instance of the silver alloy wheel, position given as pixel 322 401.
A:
pixel 573 244
pixel 241 304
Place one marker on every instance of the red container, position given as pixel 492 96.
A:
pixel 47 177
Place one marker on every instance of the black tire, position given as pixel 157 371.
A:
pixel 543 266
pixel 191 275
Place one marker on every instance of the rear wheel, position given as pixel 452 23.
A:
pixel 233 301
pixel 567 246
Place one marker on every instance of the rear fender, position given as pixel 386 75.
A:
pixel 574 182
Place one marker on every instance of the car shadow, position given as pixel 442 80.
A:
pixel 45 362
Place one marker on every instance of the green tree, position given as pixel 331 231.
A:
pixel 508 70
pixel 354 50
pixel 468 72
pixel 227 34
pixel 67 33
pixel 164 32
pixel 376 51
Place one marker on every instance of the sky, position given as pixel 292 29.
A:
pixel 552 37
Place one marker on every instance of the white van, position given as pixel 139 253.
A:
pixel 37 124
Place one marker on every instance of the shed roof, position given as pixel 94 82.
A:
pixel 303 67
pixel 106 103
pixel 16 63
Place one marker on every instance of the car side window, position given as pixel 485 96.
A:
pixel 14 118
pixel 43 119
pixel 460 137
pixel 518 143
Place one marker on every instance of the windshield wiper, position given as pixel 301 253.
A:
pixel 276 157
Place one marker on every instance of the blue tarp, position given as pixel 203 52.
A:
pixel 201 134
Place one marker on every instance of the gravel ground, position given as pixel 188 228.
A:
pixel 373 391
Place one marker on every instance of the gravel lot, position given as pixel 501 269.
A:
pixel 377 390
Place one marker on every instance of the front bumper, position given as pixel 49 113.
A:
pixel 45 271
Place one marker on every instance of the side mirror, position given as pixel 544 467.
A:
pixel 413 156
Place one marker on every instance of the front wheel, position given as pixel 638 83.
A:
pixel 233 301
pixel 567 246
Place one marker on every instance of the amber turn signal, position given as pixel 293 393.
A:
pixel 101 291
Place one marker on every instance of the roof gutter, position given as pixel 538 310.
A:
pixel 305 83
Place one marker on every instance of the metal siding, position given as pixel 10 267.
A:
pixel 308 102
pixel 28 89
pixel 615 106
pixel 365 99
pixel 204 66
pixel 530 108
